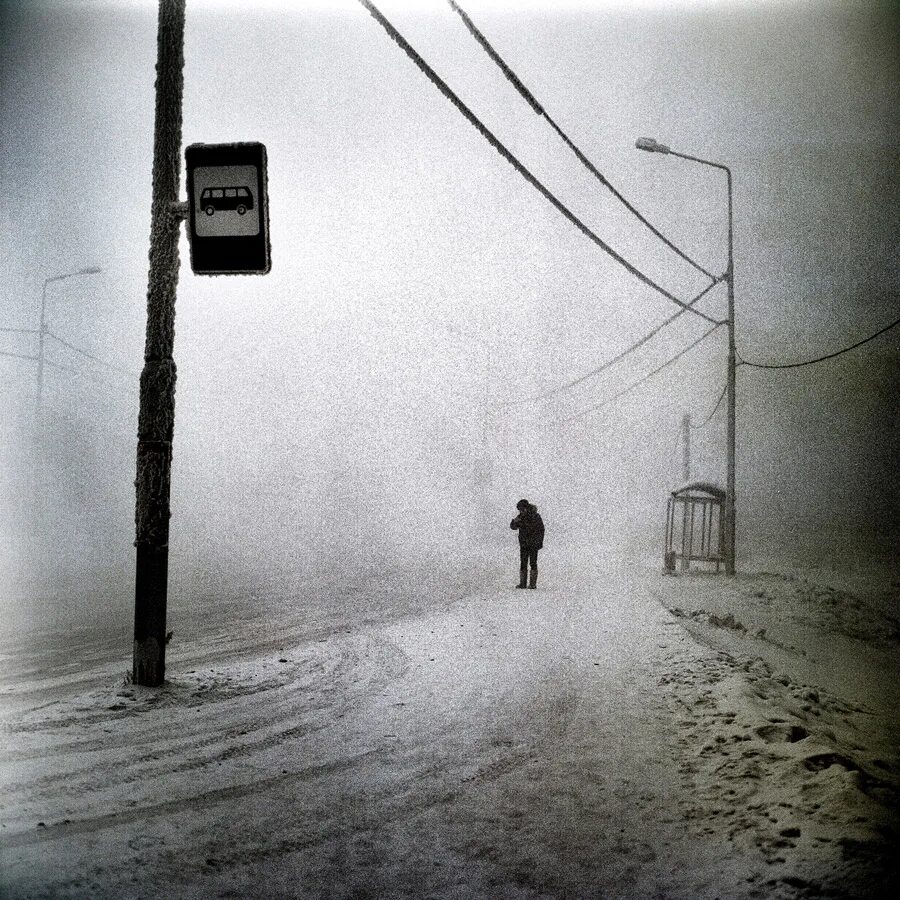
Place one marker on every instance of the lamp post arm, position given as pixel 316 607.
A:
pixel 705 162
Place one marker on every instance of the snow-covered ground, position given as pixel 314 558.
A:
pixel 616 733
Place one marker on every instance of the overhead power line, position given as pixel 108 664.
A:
pixel 539 109
pixel 619 356
pixel 96 359
pixel 21 330
pixel 715 409
pixel 501 148
pixel 818 359
pixel 18 355
pixel 90 376
pixel 640 381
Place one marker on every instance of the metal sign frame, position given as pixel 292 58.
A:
pixel 221 234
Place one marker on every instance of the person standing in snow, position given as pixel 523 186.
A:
pixel 531 538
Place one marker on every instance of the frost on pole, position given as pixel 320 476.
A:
pixel 228 209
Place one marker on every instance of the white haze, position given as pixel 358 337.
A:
pixel 341 414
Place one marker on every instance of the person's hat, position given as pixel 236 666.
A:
pixel 523 504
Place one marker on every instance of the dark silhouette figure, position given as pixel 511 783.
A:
pixel 531 538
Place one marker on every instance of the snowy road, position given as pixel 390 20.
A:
pixel 573 742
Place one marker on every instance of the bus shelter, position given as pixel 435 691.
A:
pixel 695 529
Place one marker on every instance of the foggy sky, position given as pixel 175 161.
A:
pixel 351 397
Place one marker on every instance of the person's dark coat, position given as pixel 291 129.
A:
pixel 530 527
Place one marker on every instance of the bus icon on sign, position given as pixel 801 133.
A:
pixel 214 199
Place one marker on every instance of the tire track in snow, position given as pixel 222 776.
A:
pixel 173 807
pixel 154 759
pixel 443 780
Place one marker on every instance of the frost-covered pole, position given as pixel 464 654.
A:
pixel 686 438
pixel 157 405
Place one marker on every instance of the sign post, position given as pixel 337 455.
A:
pixel 227 211
pixel 156 418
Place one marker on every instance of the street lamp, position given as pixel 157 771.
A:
pixel 88 270
pixel 38 471
pixel 652 146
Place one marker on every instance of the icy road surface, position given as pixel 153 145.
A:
pixel 576 741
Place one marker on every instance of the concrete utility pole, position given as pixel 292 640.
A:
pixel 730 510
pixel 686 442
pixel 157 403
pixel 652 146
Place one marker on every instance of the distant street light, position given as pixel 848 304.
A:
pixel 88 270
pixel 38 473
pixel 652 146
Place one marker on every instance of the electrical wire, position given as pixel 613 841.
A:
pixel 501 148
pixel 21 330
pixel 818 359
pixel 97 359
pixel 539 109
pixel 714 411
pixel 90 376
pixel 18 355
pixel 601 368
pixel 121 438
pixel 640 381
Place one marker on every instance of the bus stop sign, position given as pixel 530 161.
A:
pixel 229 209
